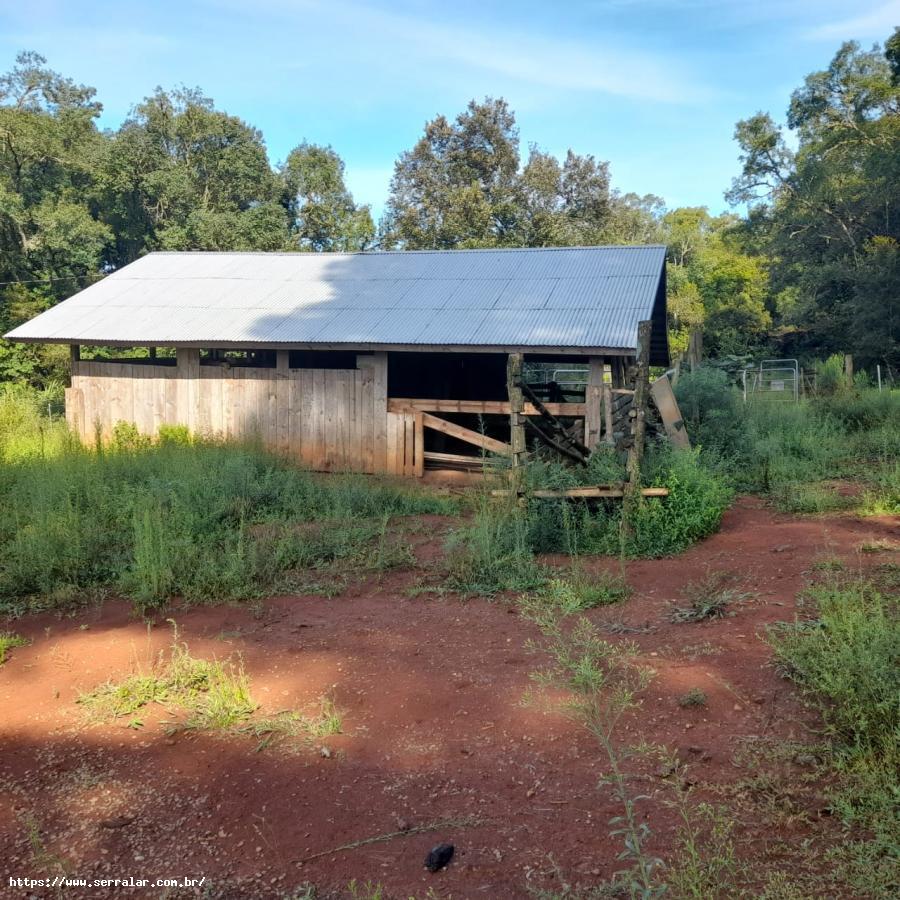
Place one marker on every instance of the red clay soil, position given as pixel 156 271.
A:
pixel 434 729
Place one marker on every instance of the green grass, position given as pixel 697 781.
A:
pixel 210 695
pixel 214 695
pixel 692 698
pixel 846 658
pixel 9 641
pixel 204 522
pixel 581 591
pixel 791 450
pixel 708 598
pixel 289 723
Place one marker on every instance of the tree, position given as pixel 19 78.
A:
pixel 457 187
pixel 181 175
pixel 714 283
pixel 462 185
pixel 51 236
pixel 321 210
pixel 827 215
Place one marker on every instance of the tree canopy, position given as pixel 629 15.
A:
pixel 810 266
pixel 826 216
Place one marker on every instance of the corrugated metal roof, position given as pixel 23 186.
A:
pixel 590 297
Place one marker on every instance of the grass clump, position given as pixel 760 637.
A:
pixel 492 553
pixel 290 723
pixel 8 641
pixel 693 698
pixel 214 695
pixel 581 592
pixel 708 598
pixel 847 660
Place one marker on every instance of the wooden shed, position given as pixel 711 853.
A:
pixel 369 362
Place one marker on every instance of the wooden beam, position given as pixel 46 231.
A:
pixel 664 398
pixel 466 434
pixel 480 407
pixel 556 427
pixel 587 493
pixel 564 449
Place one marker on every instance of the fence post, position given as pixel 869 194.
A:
pixel 632 488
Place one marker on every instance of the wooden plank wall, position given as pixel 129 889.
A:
pixel 330 419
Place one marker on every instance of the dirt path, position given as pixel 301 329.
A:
pixel 430 692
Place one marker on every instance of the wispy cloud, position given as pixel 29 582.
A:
pixel 607 66
pixel 877 24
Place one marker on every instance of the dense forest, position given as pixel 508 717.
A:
pixel 807 265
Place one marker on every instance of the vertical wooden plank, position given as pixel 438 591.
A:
pixel 75 410
pixel 516 416
pixel 609 436
pixel 307 420
pixel 282 361
pixel 390 464
pixel 283 400
pixel 419 467
pixel 296 427
pixel 410 461
pixel 632 496
pixel 170 389
pixel 379 411
pixel 318 413
pixel 593 399
pixel 366 418
pixel 327 399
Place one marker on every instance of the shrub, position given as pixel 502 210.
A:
pixel 174 434
pixel 693 509
pixel 848 659
pixel 125 436
pixel 713 413
pixel 831 377
pixel 492 553
pixel 694 697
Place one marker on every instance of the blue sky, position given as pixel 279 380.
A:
pixel 653 86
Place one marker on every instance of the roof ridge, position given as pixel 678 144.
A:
pixel 321 253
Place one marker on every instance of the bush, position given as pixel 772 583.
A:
pixel 849 659
pixel 831 376
pixel 848 662
pixel 492 553
pixel 713 413
pixel 27 430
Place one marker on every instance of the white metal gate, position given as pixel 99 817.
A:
pixel 775 378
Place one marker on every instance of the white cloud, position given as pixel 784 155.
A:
pixel 597 66
pixel 877 24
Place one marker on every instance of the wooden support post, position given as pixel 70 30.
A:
pixel 282 361
pixel 516 412
pixel 638 424
pixel 695 348
pixel 593 397
pixel 608 436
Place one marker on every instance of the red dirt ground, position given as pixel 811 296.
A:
pixel 430 690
